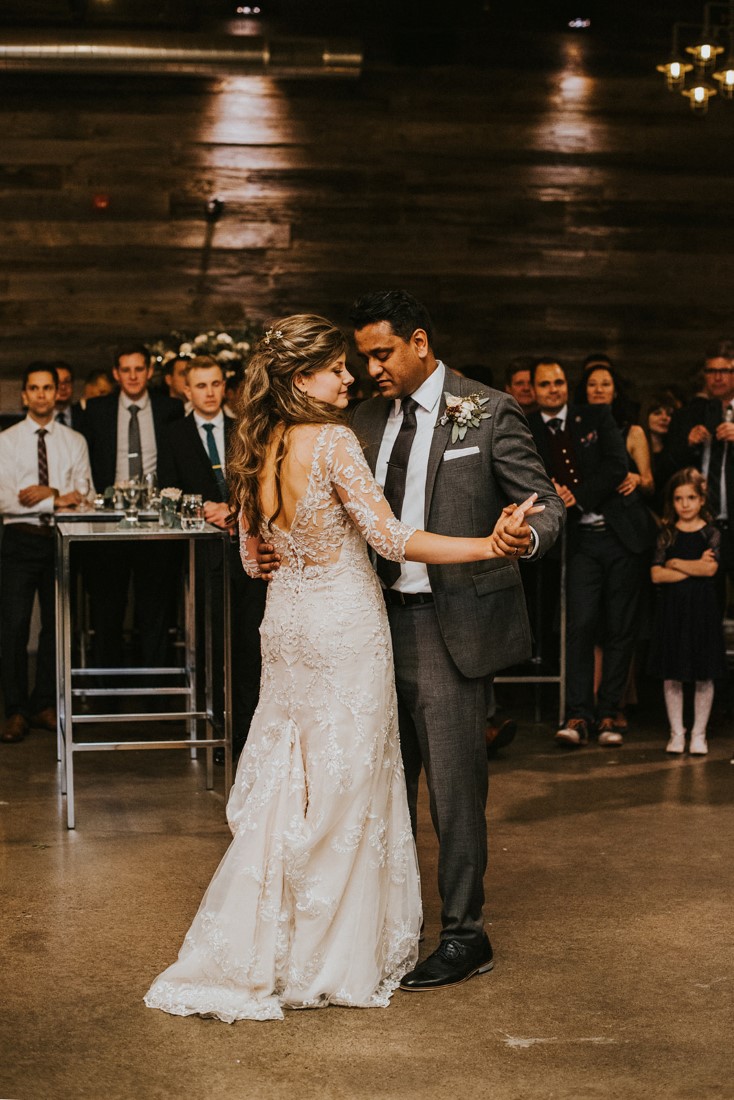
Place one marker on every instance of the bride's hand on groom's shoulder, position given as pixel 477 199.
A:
pixel 268 560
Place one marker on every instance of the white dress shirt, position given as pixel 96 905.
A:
pixel 68 462
pixel 147 436
pixel 218 422
pixel 413 574
pixel 587 518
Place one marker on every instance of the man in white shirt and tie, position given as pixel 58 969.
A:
pixel 41 464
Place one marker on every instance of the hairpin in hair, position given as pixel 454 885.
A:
pixel 272 334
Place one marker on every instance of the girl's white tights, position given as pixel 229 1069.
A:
pixel 673 690
pixel 702 703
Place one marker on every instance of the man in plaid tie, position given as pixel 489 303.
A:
pixel 40 464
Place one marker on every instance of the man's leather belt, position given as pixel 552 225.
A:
pixel 406 599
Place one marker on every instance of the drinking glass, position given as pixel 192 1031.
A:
pixel 151 489
pixel 131 491
pixel 192 513
pixel 83 487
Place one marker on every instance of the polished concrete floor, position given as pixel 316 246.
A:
pixel 611 914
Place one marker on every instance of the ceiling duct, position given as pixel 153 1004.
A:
pixel 175 54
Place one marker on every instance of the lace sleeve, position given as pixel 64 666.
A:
pixel 362 497
pixel 248 553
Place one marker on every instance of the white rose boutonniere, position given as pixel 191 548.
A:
pixel 464 413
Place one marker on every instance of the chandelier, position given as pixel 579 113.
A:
pixel 703 44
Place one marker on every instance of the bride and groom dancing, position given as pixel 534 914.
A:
pixel 317 899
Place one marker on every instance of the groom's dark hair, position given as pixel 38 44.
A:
pixel 403 312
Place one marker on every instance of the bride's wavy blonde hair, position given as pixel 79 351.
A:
pixel 301 344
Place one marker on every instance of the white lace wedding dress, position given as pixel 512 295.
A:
pixel 317 899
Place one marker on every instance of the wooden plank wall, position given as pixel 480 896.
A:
pixel 543 210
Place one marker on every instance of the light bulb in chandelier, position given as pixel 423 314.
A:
pixel 704 54
pixel 725 78
pixel 675 73
pixel 699 96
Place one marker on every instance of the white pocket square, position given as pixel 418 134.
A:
pixel 460 452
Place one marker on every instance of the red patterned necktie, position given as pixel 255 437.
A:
pixel 42 457
pixel 42 468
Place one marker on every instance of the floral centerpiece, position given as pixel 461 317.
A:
pixel 228 347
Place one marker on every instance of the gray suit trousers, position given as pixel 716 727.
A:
pixel 443 716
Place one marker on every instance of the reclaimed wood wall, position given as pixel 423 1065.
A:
pixel 564 208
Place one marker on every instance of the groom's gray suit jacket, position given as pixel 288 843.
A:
pixel 480 606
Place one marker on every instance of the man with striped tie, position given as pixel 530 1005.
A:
pixel 41 461
pixel 196 462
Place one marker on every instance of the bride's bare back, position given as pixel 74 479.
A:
pixel 295 474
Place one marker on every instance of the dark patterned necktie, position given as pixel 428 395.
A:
pixel 134 447
pixel 397 470
pixel 44 519
pixel 42 457
pixel 211 446
pixel 554 424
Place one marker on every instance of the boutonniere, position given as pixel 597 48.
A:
pixel 464 413
pixel 587 440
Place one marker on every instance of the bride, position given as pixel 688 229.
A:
pixel 317 899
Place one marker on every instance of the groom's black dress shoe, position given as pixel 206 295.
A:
pixel 452 962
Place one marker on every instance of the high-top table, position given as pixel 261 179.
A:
pixel 178 681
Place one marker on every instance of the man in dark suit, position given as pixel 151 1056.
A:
pixel 66 412
pixel 608 536
pixel 702 435
pixel 126 433
pixel 195 462
pixel 452 626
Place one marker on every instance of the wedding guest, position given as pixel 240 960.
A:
pixel 196 462
pixel 126 434
pixel 657 416
pixel 519 384
pixel 234 376
pixel 174 376
pixel 609 533
pixel 478 372
pixel 67 412
pixel 702 435
pixel 97 384
pixel 601 384
pixel 40 462
pixel 688 642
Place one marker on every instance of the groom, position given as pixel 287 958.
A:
pixel 453 626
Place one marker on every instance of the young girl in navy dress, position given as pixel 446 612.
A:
pixel 688 641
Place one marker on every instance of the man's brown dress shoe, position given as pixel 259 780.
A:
pixel 498 737
pixel 45 720
pixel 15 730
